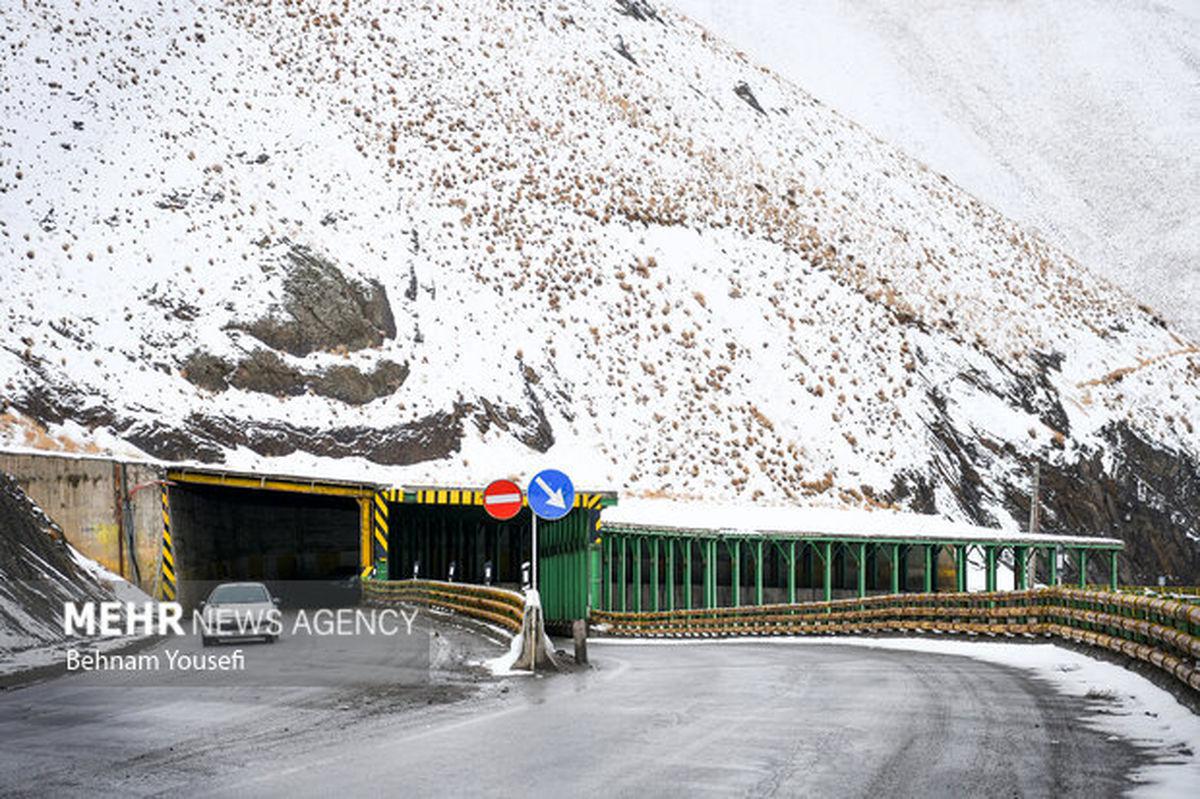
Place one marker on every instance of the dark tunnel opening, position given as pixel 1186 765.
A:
pixel 436 536
pixel 297 543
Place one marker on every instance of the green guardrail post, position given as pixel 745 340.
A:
pixel 758 572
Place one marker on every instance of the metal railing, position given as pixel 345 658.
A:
pixel 493 605
pixel 1163 632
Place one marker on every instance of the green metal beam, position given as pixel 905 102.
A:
pixel 1083 568
pixel 735 572
pixel 608 572
pixel 791 581
pixel 862 570
pixel 670 574
pixel 882 539
pixel 624 582
pixel 654 574
pixel 960 569
pixel 827 579
pixel 637 574
pixel 1112 571
pixel 896 568
pixel 687 583
pixel 710 573
pixel 758 573
pixel 1053 556
pixel 929 561
pixel 990 552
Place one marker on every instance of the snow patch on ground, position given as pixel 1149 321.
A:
pixel 124 590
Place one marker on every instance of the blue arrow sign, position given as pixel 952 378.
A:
pixel 551 494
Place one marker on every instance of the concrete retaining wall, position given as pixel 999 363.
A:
pixel 84 496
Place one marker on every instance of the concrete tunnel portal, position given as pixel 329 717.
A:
pixel 286 534
pixel 308 539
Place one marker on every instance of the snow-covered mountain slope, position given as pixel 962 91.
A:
pixel 1079 119
pixel 451 241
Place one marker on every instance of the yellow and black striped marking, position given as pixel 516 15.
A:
pixel 167 584
pixel 467 496
pixel 379 521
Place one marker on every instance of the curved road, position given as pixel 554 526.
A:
pixel 716 719
pixel 743 718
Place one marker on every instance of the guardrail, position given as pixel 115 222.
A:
pixel 1183 593
pixel 1163 632
pixel 494 605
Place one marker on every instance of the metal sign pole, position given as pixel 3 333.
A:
pixel 534 556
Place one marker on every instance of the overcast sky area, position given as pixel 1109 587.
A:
pixel 1080 119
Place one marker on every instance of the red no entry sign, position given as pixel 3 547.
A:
pixel 502 499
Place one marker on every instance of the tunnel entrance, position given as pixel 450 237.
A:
pixel 432 537
pixel 224 533
pixel 431 529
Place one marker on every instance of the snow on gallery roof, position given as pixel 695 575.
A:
pixel 669 514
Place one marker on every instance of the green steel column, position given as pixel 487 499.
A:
pixel 960 568
pixel 654 573
pixel 623 575
pixel 735 572
pixel 687 582
pixel 1053 570
pixel 758 572
pixel 991 566
pixel 862 570
pixel 827 579
pixel 709 574
pixel 895 568
pixel 637 574
pixel 670 574
pixel 1020 569
pixel 1112 569
pixel 791 584
pixel 1082 567
pixel 929 568
pixel 608 581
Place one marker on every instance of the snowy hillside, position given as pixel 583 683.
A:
pixel 1079 119
pixel 470 238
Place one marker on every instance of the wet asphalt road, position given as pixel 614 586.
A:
pixel 732 719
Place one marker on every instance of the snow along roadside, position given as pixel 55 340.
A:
pixel 55 653
pixel 1138 711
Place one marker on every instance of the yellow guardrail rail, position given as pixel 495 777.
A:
pixel 1163 632
pixel 494 605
